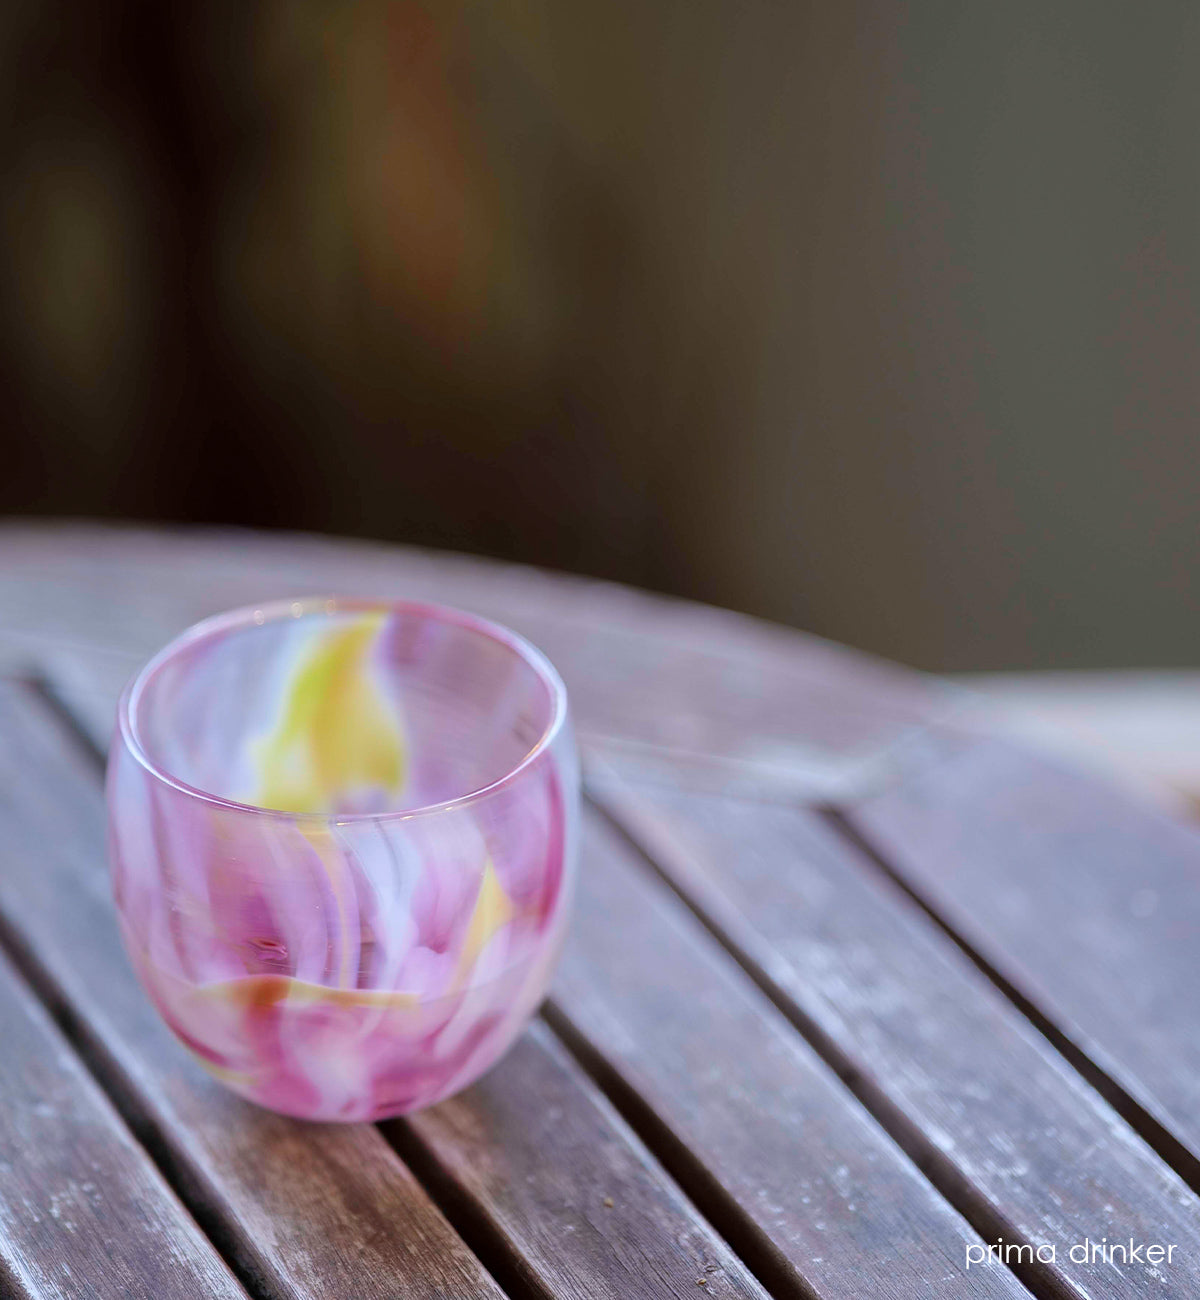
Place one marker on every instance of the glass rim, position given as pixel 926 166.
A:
pixel 278 611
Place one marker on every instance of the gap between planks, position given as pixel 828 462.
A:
pixel 469 1216
pixel 713 1201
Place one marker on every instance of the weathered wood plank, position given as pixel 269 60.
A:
pixel 798 1175
pixel 582 1208
pixel 311 1210
pixel 1086 901
pixel 928 1036
pixel 659 681
pixel 84 1214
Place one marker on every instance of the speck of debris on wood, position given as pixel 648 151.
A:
pixel 608 1202
pixel 702 1281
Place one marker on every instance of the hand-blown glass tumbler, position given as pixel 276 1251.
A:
pixel 342 840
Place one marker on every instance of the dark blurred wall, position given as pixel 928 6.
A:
pixel 880 319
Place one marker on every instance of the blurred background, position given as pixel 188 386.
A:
pixel 876 319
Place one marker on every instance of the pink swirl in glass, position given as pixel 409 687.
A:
pixel 342 839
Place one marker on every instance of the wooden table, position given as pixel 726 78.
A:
pixel 852 990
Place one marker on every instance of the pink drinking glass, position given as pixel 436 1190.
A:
pixel 342 838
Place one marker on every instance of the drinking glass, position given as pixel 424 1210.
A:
pixel 342 839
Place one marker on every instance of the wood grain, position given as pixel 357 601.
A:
pixel 798 1175
pixel 981 1098
pixel 1084 899
pixel 84 1214
pixel 582 1208
pixel 307 1210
